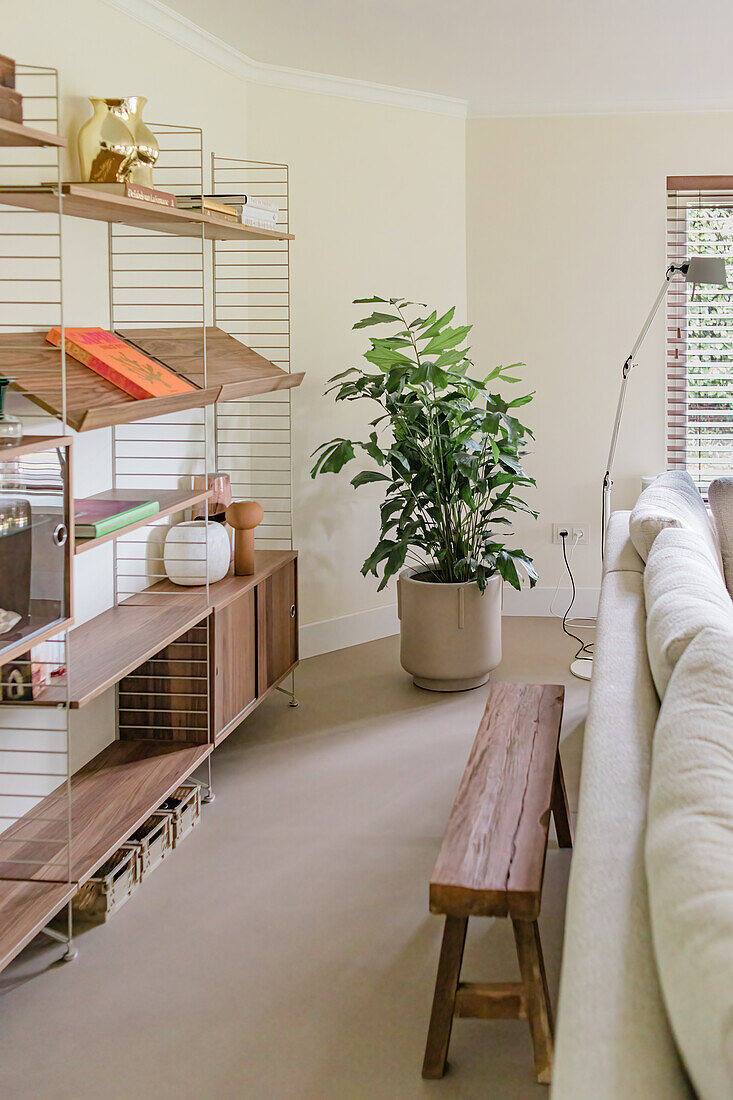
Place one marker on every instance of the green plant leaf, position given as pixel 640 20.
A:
pixel 365 476
pixel 377 319
pixel 446 339
pixel 334 459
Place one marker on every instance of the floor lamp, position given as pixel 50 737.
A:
pixel 708 270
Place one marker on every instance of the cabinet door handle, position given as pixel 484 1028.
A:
pixel 60 534
pixel 292 611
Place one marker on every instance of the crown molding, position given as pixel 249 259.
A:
pixel 595 110
pixel 162 19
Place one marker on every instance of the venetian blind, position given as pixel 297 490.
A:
pixel 700 331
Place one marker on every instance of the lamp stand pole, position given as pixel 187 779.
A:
pixel 625 372
pixel 582 667
pixel 697 270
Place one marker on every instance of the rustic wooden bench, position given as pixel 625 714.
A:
pixel 492 862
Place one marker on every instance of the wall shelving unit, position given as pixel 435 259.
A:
pixel 187 664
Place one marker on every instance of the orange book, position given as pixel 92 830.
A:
pixel 121 364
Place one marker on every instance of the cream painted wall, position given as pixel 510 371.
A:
pixel 378 206
pixel 566 252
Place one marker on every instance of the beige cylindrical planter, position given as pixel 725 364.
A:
pixel 450 634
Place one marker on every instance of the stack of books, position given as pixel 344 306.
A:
pixel 246 209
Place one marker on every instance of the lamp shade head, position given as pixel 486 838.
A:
pixel 706 269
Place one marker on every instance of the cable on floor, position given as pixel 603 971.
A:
pixel 585 648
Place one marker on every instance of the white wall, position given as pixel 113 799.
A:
pixel 378 198
pixel 566 253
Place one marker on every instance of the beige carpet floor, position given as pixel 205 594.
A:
pixel 286 951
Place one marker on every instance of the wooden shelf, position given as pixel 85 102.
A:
pixel 15 134
pixel 32 444
pixel 114 643
pixel 110 797
pixel 232 371
pixel 83 201
pixel 25 909
pixel 108 647
pixel 170 502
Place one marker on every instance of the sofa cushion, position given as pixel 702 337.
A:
pixel 689 859
pixel 672 500
pixel 613 1038
pixel 684 593
pixel 720 495
pixel 619 551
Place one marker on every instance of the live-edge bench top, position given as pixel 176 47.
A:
pixel 492 859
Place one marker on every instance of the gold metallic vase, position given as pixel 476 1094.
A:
pixel 115 145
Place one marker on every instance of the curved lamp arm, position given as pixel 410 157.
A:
pixel 625 372
pixel 698 269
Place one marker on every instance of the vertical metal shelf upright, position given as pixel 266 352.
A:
pixel 157 280
pixel 251 301
pixel 35 748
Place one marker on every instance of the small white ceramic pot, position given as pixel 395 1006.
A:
pixel 450 634
pixel 188 546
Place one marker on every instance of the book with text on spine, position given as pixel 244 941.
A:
pixel 121 364
pixel 135 191
pixel 94 518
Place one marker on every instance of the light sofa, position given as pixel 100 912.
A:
pixel 615 1037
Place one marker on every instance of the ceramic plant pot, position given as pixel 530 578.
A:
pixel 185 552
pixel 450 634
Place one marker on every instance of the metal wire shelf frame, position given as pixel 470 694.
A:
pixel 35 741
pixel 251 301
pixel 157 280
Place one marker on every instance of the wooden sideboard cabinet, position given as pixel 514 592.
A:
pixel 253 645
pixel 255 638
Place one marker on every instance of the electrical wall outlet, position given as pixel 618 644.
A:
pixel 578 534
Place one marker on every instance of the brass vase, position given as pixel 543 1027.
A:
pixel 115 145
pixel 146 144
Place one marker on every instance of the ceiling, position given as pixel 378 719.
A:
pixel 534 57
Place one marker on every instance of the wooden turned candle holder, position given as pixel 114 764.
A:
pixel 244 516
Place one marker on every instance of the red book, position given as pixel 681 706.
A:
pixel 121 364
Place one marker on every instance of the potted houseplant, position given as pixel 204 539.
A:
pixel 449 453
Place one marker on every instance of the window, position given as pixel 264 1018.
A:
pixel 700 331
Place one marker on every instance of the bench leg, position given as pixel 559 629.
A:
pixel 446 985
pixel 539 1010
pixel 560 809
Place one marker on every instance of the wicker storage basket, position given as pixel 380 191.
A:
pixel 184 808
pixel 154 839
pixel 108 890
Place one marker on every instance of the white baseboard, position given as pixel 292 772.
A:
pixel 347 630
pixel 536 601
pixel 382 622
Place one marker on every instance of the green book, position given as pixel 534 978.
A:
pixel 94 518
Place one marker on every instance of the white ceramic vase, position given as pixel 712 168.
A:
pixel 450 634
pixel 189 545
